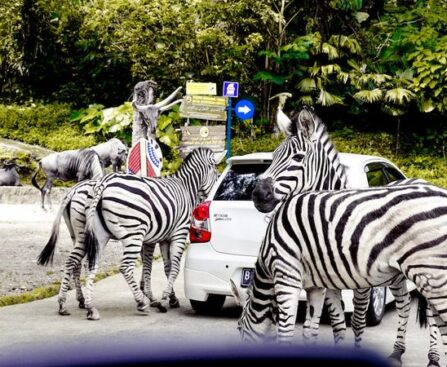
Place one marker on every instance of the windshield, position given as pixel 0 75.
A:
pixel 240 181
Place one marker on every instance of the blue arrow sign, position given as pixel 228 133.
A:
pixel 244 109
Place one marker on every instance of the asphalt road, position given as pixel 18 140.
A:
pixel 37 325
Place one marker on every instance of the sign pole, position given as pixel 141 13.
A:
pixel 230 110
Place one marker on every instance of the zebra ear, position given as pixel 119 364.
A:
pixel 218 157
pixel 235 292
pixel 306 123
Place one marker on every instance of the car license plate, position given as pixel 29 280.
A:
pixel 247 277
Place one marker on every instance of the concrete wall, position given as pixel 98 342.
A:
pixel 28 195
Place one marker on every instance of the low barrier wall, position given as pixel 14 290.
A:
pixel 28 195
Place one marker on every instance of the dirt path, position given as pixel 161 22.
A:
pixel 24 231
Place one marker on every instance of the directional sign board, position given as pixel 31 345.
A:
pixel 230 89
pixel 244 109
pixel 209 89
pixel 204 107
pixel 193 137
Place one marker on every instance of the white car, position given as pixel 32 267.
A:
pixel 227 231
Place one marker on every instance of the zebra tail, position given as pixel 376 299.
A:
pixel 47 254
pixel 34 180
pixel 91 241
pixel 421 315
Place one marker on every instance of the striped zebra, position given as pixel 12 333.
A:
pixel 73 208
pixel 308 161
pixel 329 174
pixel 140 212
pixel 351 239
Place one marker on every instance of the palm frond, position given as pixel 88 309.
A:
pixel 330 51
pixel 327 99
pixel 307 85
pixel 369 96
pixel 306 100
pixel 399 95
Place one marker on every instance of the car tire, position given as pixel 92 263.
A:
pixel 377 305
pixel 211 306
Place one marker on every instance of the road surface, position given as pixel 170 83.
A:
pixel 38 325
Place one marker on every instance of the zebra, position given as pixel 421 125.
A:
pixel 73 208
pixel 310 143
pixel 314 240
pixel 143 211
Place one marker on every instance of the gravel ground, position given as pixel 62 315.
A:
pixel 24 231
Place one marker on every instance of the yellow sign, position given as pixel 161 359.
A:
pixel 193 137
pixel 209 89
pixel 204 107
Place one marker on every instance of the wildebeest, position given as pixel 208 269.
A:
pixel 112 152
pixel 79 165
pixel 9 175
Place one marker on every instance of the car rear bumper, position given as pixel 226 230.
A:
pixel 209 272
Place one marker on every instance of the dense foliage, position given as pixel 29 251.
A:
pixel 364 64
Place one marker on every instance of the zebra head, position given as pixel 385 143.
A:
pixel 294 164
pixel 203 162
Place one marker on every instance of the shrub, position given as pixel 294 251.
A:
pixel 45 125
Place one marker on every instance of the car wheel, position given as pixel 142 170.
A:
pixel 376 308
pixel 211 306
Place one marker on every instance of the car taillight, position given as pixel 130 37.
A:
pixel 199 231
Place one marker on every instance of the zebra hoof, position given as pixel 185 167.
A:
pixel 154 303
pixel 174 302
pixel 162 306
pixel 143 305
pixel 81 305
pixel 395 359
pixel 64 312
pixel 93 314
pixel 433 363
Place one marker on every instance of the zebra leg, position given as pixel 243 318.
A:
pixel 433 352
pixel 92 312
pixel 166 254
pixel 358 319
pixel 77 279
pixel 287 300
pixel 442 328
pixel 176 251
pixel 132 249
pixel 145 284
pixel 314 307
pixel 403 301
pixel 72 264
pixel 336 314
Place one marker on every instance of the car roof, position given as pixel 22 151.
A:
pixel 266 157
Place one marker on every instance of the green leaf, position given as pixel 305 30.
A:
pixel 327 99
pixel 369 96
pixel 267 76
pixel 307 85
pixel 399 95
pixel 361 16
pixel 164 121
pixel 427 105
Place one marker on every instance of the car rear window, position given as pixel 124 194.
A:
pixel 240 181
